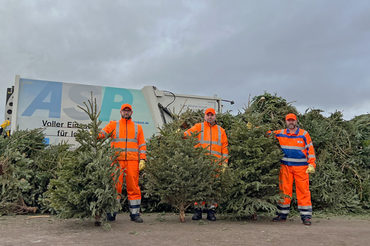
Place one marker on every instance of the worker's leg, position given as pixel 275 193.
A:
pixel 211 211
pixel 122 165
pixel 198 209
pixel 133 189
pixel 286 190
pixel 303 192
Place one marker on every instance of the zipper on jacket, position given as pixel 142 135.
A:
pixel 126 142
pixel 210 139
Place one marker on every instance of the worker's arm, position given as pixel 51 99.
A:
pixel 268 133
pixel 196 128
pixel 224 146
pixel 108 129
pixel 311 157
pixel 141 143
pixel 142 148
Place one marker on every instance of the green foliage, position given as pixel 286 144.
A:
pixel 268 109
pixel 23 179
pixel 362 135
pixel 254 158
pixel 186 119
pixel 226 120
pixel 49 161
pixel 84 186
pixel 341 183
pixel 178 173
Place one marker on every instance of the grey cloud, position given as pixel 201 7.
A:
pixel 315 53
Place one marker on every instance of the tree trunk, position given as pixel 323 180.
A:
pixel 182 213
pixel 97 220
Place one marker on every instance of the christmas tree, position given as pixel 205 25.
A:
pixel 254 163
pixel 179 173
pixel 341 181
pixel 22 179
pixel 85 186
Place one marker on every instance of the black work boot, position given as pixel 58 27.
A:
pixel 211 215
pixel 136 218
pixel 306 221
pixel 197 214
pixel 111 217
pixel 279 218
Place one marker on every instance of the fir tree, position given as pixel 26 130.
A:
pixel 255 156
pixel 20 174
pixel 341 181
pixel 85 187
pixel 179 173
pixel 254 163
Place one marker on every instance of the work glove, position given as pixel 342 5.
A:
pixel 141 165
pixel 5 124
pixel 249 125
pixel 310 169
pixel 224 166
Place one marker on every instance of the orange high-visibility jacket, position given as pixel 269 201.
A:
pixel 127 139
pixel 297 147
pixel 212 138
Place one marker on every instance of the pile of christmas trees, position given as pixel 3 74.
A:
pixel 80 182
pixel 70 182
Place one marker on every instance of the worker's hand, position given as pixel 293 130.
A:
pixel 5 124
pixel 178 130
pixel 141 165
pixel 310 169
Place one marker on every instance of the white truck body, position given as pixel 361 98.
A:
pixel 53 106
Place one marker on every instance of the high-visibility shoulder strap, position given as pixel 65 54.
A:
pixel 202 131
pixel 136 130
pixel 219 135
pixel 117 129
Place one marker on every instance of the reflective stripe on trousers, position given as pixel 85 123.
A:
pixel 134 206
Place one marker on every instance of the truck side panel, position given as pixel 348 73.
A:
pixel 54 107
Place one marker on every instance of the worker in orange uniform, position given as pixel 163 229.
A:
pixel 298 162
pixel 213 138
pixel 128 140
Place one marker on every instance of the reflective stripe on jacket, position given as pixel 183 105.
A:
pixel 212 138
pixel 129 142
pixel 297 147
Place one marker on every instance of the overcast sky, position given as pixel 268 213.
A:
pixel 315 54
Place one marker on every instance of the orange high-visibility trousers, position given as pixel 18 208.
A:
pixel 131 170
pixel 286 177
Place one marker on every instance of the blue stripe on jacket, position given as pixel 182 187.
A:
pixel 292 163
pixel 293 153
pixel 287 136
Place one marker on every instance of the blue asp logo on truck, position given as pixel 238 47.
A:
pixel 54 107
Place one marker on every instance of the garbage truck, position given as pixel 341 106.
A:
pixel 53 106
